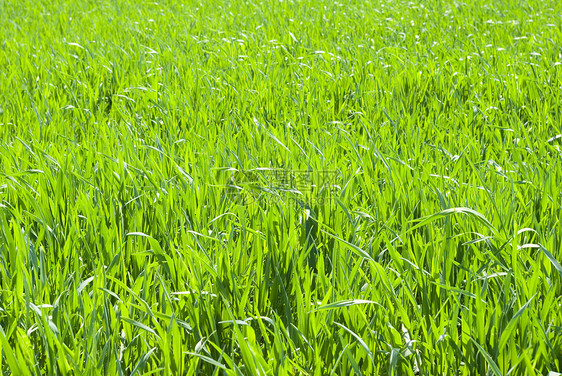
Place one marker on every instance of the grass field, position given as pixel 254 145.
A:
pixel 287 187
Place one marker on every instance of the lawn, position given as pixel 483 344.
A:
pixel 283 187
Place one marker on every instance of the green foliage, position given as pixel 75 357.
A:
pixel 142 230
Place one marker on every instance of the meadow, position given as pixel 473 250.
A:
pixel 286 187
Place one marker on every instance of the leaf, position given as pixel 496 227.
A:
pixel 491 363
pixel 208 360
pixel 15 366
pixel 447 212
pixel 394 354
pixel 359 339
pixel 239 322
pixel 362 252
pixel 554 262
pixel 506 334
pixel 142 362
pixel 139 325
pixel 84 284
pixel 343 303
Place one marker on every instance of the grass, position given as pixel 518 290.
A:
pixel 144 228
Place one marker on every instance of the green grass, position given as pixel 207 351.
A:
pixel 143 229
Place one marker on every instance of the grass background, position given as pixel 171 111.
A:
pixel 123 251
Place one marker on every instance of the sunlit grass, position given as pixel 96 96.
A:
pixel 144 228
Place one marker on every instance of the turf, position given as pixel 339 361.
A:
pixel 304 187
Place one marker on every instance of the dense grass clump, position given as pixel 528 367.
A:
pixel 287 187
